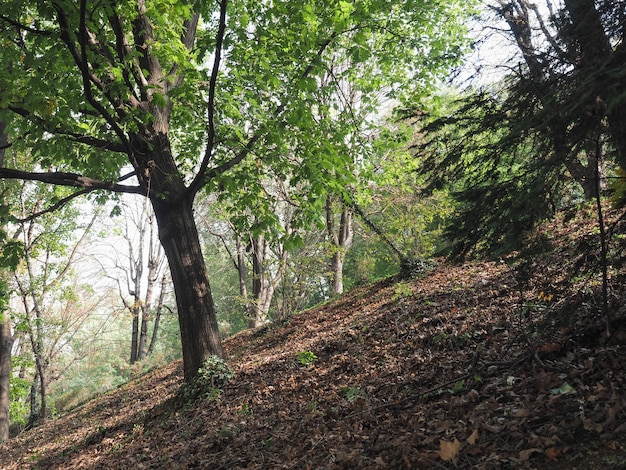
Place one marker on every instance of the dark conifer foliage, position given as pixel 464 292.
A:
pixel 545 137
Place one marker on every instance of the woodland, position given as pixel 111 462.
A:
pixel 318 234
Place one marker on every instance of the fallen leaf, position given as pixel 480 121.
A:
pixel 589 425
pixel 444 426
pixel 527 453
pixel 379 461
pixel 448 450
pixel 563 389
pixel 493 428
pixel 549 348
pixel 554 453
pixel 520 413
pixel 613 446
pixel 473 437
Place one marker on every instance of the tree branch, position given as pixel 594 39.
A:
pixel 91 141
pixel 200 179
pixel 18 25
pixel 55 206
pixel 70 179
pixel 81 61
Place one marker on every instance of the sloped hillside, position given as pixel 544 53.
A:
pixel 484 365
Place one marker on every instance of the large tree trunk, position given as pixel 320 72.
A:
pixel 196 312
pixel 172 203
pixel 6 342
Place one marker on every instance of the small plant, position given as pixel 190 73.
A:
pixel 401 290
pixel 230 430
pixel 137 430
pixel 352 393
pixel 306 358
pixel 245 409
pixel 209 381
pixel 458 387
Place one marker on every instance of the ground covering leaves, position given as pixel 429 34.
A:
pixel 502 364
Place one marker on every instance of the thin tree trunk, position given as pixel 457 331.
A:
pixel 242 272
pixel 341 238
pixel 143 333
pixel 155 260
pixel 264 282
pixel 39 410
pixel 6 343
pixel 6 339
pixel 134 333
pixel 157 316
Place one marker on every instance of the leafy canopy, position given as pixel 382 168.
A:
pixel 246 84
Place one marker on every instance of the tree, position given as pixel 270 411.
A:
pixel 6 343
pixel 257 250
pixel 106 86
pixel 340 235
pixel 51 250
pixel 6 336
pixel 509 150
pixel 140 275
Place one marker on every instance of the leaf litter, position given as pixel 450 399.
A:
pixel 483 365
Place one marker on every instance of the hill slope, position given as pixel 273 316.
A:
pixel 472 366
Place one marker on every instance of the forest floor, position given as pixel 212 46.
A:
pixel 481 365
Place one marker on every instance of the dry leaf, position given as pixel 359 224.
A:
pixel 520 413
pixel 589 425
pixel 553 453
pixel 526 454
pixel 549 348
pixel 448 450
pixel 444 425
pixel 473 438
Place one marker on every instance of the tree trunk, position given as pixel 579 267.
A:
pixel 135 334
pixel 196 312
pixel 6 343
pixel 6 339
pixel 157 316
pixel 264 281
pixel 143 333
pixel 259 250
pixel 154 262
pixel 341 239
pixel 38 410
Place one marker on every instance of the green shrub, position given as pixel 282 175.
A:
pixel 306 358
pixel 210 380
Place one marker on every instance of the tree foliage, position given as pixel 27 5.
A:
pixel 166 99
pixel 515 151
